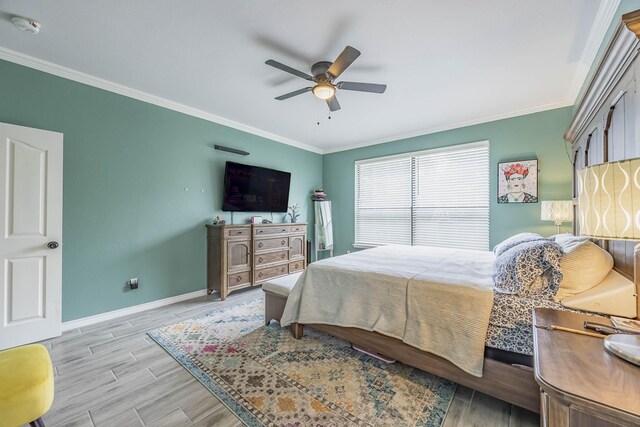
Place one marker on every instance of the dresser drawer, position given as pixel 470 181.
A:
pixel 298 229
pixel 237 232
pixel 296 266
pixel 239 279
pixel 271 257
pixel 268 244
pixel 267 231
pixel 265 274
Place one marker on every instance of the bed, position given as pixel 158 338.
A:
pixel 409 303
pixel 607 103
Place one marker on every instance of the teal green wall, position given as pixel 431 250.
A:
pixel 526 137
pixel 126 167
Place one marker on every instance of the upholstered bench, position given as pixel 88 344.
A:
pixel 276 292
pixel 26 385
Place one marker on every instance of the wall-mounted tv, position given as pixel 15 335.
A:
pixel 255 189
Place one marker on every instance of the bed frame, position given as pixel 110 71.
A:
pixel 513 383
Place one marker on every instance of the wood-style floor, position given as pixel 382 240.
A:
pixel 113 374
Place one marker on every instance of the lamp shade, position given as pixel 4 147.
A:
pixel 609 200
pixel 557 211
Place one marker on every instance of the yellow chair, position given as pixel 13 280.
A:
pixel 26 385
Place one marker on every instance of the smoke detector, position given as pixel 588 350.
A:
pixel 28 25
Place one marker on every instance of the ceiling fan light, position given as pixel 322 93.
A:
pixel 323 91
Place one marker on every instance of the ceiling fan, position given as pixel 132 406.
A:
pixel 323 75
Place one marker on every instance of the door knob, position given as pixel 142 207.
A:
pixel 53 245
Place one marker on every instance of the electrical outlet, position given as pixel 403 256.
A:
pixel 133 283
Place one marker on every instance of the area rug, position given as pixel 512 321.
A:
pixel 268 378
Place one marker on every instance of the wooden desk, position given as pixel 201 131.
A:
pixel 581 383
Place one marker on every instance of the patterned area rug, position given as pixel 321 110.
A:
pixel 268 378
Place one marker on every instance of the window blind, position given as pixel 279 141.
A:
pixel 437 197
pixel 383 201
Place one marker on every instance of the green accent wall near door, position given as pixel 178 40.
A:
pixel 520 138
pixel 126 167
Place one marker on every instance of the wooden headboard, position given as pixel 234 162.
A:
pixel 606 125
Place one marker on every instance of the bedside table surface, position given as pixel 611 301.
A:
pixel 579 366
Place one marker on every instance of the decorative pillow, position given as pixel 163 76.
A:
pixel 568 239
pixel 512 241
pixel 518 271
pixel 584 264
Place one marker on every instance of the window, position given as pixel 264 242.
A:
pixel 437 197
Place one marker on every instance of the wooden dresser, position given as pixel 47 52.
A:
pixel 240 256
pixel 581 383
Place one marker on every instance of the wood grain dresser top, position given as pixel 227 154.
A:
pixel 578 367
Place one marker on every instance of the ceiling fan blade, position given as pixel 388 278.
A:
pixel 346 58
pixel 362 87
pixel 333 103
pixel 292 94
pixel 288 69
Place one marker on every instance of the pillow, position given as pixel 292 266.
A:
pixel 568 239
pixel 584 264
pixel 519 270
pixel 512 241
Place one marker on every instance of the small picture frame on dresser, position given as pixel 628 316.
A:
pixel 256 220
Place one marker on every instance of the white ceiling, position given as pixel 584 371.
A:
pixel 446 63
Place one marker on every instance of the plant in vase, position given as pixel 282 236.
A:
pixel 218 221
pixel 294 212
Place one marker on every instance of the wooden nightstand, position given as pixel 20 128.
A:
pixel 581 383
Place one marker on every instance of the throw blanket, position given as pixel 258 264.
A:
pixel 529 268
pixel 435 299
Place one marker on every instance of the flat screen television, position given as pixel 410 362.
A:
pixel 255 189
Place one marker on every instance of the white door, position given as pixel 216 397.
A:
pixel 30 234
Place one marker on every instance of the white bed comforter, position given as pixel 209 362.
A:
pixel 436 299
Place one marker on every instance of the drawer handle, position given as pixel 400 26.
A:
pixel 260 259
pixel 284 242
pixel 284 230
pixel 297 265
pixel 260 244
pixel 260 274
pixel 238 278
pixel 239 232
pixel 260 231
pixel 283 256
pixel 283 269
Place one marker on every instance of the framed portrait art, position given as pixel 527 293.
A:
pixel 518 182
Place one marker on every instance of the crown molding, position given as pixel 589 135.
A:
pixel 602 21
pixel 621 52
pixel 87 79
pixel 522 112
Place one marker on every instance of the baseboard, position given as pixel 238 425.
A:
pixel 90 320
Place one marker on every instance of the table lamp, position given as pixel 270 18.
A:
pixel 557 211
pixel 609 208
